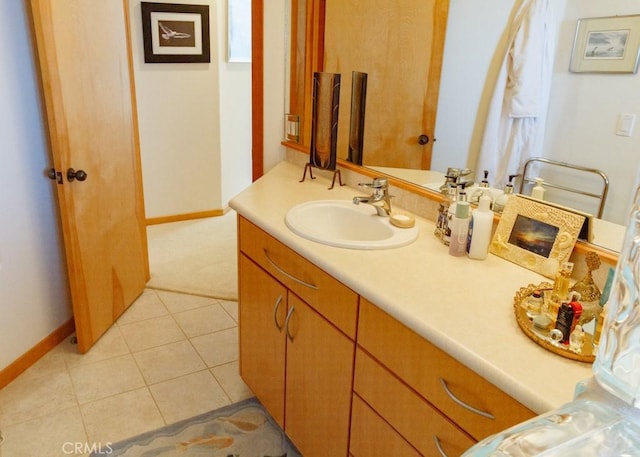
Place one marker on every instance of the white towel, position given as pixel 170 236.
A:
pixel 515 125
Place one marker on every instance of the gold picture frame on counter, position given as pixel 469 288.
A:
pixel 535 235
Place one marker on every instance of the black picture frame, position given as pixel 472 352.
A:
pixel 175 33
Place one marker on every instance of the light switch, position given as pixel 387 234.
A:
pixel 625 124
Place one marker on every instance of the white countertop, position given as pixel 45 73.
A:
pixel 463 306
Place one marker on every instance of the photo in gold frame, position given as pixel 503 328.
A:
pixel 535 235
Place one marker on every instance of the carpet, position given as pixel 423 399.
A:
pixel 196 256
pixel 243 429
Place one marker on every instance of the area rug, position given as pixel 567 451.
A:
pixel 242 429
pixel 195 256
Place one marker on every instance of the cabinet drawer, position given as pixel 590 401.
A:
pixel 329 297
pixel 414 418
pixel 430 371
pixel 372 436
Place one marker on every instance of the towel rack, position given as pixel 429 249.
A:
pixel 601 196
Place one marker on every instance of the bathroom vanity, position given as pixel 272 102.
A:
pixel 404 351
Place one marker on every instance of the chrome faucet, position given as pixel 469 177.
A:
pixel 379 199
pixel 453 178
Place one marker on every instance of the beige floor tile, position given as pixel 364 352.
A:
pixel 228 376
pixel 121 416
pixel 52 362
pixel 105 378
pixel 151 333
pixel 110 345
pixel 205 320
pixel 53 435
pixel 188 396
pixel 177 302
pixel 217 348
pixel 168 361
pixel 146 306
pixel 31 397
pixel 230 307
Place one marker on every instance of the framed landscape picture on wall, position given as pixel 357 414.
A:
pixel 606 45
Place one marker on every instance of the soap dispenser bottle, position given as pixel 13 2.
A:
pixel 459 229
pixel 480 229
pixel 501 201
pixel 483 188
pixel 538 190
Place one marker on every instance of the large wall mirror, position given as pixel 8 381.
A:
pixel 456 63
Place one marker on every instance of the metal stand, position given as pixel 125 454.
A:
pixel 336 173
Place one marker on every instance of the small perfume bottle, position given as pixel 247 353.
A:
pixel 598 331
pixel 560 289
pixel 576 340
pixel 534 304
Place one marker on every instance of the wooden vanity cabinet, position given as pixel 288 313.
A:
pixel 296 353
pixel 473 407
pixel 393 393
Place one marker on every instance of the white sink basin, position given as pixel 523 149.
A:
pixel 341 223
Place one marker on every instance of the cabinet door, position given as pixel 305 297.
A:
pixel 372 436
pixel 319 377
pixel 262 311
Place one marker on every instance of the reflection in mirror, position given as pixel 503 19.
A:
pixel 581 115
pixel 356 120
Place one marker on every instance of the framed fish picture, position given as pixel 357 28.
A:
pixel 175 33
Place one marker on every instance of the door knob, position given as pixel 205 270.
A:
pixel 72 174
pixel 54 175
pixel 423 139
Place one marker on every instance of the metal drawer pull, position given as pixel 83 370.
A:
pixel 439 446
pixel 463 404
pixel 288 275
pixel 275 313
pixel 286 323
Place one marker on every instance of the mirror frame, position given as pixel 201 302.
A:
pixel 257 141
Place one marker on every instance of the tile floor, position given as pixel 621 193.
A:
pixel 169 357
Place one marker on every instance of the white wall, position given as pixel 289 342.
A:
pixel 274 80
pixel 584 110
pixel 34 298
pixel 195 125
pixel 235 119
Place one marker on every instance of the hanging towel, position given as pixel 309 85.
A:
pixel 515 125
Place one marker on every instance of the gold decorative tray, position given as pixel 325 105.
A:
pixel 542 337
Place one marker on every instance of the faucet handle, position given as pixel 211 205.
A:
pixel 377 183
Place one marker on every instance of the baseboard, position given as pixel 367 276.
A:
pixel 185 217
pixel 34 354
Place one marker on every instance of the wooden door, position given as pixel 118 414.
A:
pixel 85 64
pixel 263 307
pixel 319 376
pixel 399 43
